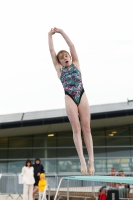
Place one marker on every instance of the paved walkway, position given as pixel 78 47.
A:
pixel 13 197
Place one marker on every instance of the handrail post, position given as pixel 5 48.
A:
pixel 58 188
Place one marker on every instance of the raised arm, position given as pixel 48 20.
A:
pixel 70 44
pixel 51 49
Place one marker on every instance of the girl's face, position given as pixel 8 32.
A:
pixel 28 164
pixel 65 59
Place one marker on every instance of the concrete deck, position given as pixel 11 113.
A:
pixel 13 197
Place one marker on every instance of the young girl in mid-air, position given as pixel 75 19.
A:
pixel 68 71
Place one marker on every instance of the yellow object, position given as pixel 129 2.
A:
pixel 42 184
pixel 42 175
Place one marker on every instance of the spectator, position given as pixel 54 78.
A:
pixel 123 188
pixel 38 169
pixel 112 173
pixel 42 185
pixel 28 180
pixel 102 193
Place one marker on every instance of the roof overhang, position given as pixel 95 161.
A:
pixel 57 120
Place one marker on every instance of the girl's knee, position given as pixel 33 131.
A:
pixel 86 128
pixel 76 128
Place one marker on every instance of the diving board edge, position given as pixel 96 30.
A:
pixel 115 179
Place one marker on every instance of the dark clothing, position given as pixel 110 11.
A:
pixel 100 190
pixel 38 168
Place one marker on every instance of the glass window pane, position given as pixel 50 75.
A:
pixel 69 165
pixel 21 142
pixel 51 142
pixel 131 140
pixel 3 166
pixel 39 142
pixel 16 166
pixel 65 141
pixel 98 152
pixel 131 130
pixel 98 141
pixel 118 152
pixel 3 153
pixel 50 166
pixel 98 132
pixel 39 153
pixel 119 164
pixel 20 153
pixel 131 151
pixel 65 134
pixel 45 142
pixel 117 141
pixel 67 152
pixel 117 131
pixel 100 165
pixel 44 153
pixel 3 142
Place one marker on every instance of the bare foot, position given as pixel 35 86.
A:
pixel 83 168
pixel 91 169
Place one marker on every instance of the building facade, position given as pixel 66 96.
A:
pixel 47 135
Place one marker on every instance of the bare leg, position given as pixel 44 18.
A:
pixel 35 191
pixel 84 113
pixel 72 112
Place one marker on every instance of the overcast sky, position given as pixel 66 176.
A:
pixel 102 32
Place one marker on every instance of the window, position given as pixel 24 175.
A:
pixel 118 152
pixel 119 164
pixel 3 142
pixel 117 131
pixel 117 141
pixel 20 153
pixel 67 152
pixel 20 142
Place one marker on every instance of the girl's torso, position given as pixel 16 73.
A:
pixel 28 176
pixel 42 185
pixel 59 68
pixel 71 78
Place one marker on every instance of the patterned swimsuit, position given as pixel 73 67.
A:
pixel 72 83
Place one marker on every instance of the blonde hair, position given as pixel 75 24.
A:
pixel 42 175
pixel 62 52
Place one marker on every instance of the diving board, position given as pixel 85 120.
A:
pixel 106 179
pixel 93 180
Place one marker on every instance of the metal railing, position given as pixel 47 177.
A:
pixel 11 187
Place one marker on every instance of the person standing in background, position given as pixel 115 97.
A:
pixel 38 169
pixel 28 180
pixel 42 185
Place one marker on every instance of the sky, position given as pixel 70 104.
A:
pixel 102 32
